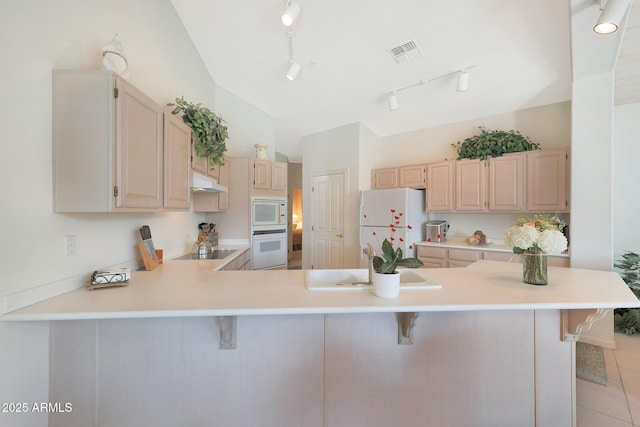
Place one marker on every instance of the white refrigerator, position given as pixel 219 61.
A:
pixel 376 219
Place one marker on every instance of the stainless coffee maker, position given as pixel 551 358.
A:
pixel 436 230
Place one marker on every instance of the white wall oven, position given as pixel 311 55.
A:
pixel 269 249
pixel 268 232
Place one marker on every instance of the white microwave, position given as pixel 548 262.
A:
pixel 267 212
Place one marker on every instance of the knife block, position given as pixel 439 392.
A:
pixel 150 262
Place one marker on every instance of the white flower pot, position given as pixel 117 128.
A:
pixel 386 285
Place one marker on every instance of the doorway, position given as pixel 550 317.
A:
pixel 295 262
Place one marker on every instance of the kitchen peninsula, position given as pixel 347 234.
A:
pixel 488 350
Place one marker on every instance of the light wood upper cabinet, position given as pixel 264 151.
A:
pixel 214 202
pixel 506 187
pixel 223 179
pixel 177 165
pixel 279 176
pixel 547 181
pixel 440 179
pixel 261 174
pixel 384 178
pixel 268 178
pixel 471 185
pixel 200 164
pixel 413 176
pixel 203 165
pixel 107 144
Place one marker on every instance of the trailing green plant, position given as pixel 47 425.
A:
pixel 628 319
pixel 209 129
pixel 493 143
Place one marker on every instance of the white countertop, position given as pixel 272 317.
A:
pixel 461 244
pixel 193 288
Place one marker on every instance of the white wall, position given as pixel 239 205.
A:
pixel 322 153
pixel 626 178
pixel 548 125
pixel 248 125
pixel 41 36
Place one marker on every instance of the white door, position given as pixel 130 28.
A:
pixel 327 228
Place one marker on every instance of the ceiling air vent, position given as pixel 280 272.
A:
pixel 406 52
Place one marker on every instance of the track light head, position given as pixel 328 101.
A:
pixel 290 14
pixel 293 71
pixel 611 16
pixel 392 100
pixel 463 81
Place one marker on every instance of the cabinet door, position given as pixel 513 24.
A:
pixel 470 185
pixel 139 149
pixel 279 176
pixel 384 178
pixel 506 183
pixel 261 174
pixel 413 176
pixel 547 181
pixel 177 163
pixel 428 262
pixel 200 164
pixel 440 186
pixel 223 179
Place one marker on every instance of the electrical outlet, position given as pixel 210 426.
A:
pixel 71 245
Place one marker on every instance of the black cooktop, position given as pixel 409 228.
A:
pixel 215 254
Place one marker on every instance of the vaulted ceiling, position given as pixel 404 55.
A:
pixel 520 51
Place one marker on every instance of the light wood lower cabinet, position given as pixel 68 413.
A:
pixel 439 257
pixel 242 262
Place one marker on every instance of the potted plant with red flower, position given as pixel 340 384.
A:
pixel 386 280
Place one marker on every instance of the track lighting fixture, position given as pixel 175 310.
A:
pixel 462 85
pixel 290 14
pixel 463 81
pixel 294 67
pixel 293 71
pixel 612 13
pixel 393 101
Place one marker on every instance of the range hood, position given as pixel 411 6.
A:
pixel 203 184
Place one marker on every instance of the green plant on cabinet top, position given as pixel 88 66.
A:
pixel 493 143
pixel 209 129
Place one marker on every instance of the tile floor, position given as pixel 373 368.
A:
pixel 296 262
pixel 617 404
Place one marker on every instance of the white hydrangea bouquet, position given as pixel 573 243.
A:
pixel 540 235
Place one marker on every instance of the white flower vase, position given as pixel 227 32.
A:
pixel 386 285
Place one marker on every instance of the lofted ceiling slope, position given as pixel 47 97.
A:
pixel 520 49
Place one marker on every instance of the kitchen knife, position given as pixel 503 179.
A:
pixel 152 248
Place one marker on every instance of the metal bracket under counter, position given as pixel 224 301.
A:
pixel 406 322
pixel 583 326
pixel 228 326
